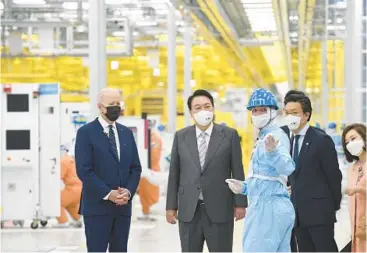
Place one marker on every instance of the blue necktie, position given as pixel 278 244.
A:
pixel 112 138
pixel 296 150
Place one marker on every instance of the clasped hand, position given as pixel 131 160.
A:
pixel 350 191
pixel 119 197
pixel 270 143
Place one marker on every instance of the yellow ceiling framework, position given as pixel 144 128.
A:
pixel 250 62
pixel 215 65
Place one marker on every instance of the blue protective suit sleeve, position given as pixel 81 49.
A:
pixel 280 158
pixel 244 188
pixel 83 161
pixel 135 169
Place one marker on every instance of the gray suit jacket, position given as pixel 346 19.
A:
pixel 186 178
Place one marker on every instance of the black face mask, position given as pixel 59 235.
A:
pixel 113 112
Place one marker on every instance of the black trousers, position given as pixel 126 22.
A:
pixel 316 239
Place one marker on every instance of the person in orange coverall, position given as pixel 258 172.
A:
pixel 70 195
pixel 149 193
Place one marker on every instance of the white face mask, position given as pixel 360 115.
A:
pixel 293 122
pixel 355 147
pixel 260 121
pixel 203 118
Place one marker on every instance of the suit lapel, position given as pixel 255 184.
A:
pixel 104 138
pixel 304 149
pixel 191 141
pixel 215 141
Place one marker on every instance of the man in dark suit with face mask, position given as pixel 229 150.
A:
pixel 316 182
pixel 108 165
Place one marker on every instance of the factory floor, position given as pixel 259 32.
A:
pixel 145 236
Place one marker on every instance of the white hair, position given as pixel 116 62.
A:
pixel 104 91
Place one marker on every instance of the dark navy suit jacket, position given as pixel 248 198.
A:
pixel 316 182
pixel 100 171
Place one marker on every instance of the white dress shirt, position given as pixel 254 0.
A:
pixel 106 129
pixel 302 134
pixel 208 132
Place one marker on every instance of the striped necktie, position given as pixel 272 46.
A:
pixel 203 148
pixel 112 138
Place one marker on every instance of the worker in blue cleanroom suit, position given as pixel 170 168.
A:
pixel 270 216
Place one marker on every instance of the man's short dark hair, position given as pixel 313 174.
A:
pixel 199 93
pixel 294 92
pixel 299 97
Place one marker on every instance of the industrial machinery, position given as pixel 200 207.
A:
pixel 30 152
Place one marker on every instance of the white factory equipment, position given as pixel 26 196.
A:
pixel 30 152
pixel 67 112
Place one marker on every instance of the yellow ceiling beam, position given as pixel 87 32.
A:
pixel 305 13
pixel 280 9
pixel 211 11
pixel 229 56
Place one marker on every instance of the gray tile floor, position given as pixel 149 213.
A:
pixel 144 237
pixel 155 236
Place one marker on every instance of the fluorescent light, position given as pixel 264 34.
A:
pixel 114 65
pixel 68 15
pixel 85 5
pixel 1 6
pixel 146 23
pixel 156 72
pixel 260 15
pixel 336 28
pixel 126 72
pixel 70 5
pixel 294 34
pixel 118 34
pixel 29 2
pixel 81 28
pixel 117 1
pixel 161 11
pixel 159 1
pixel 257 5
pixel 252 1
